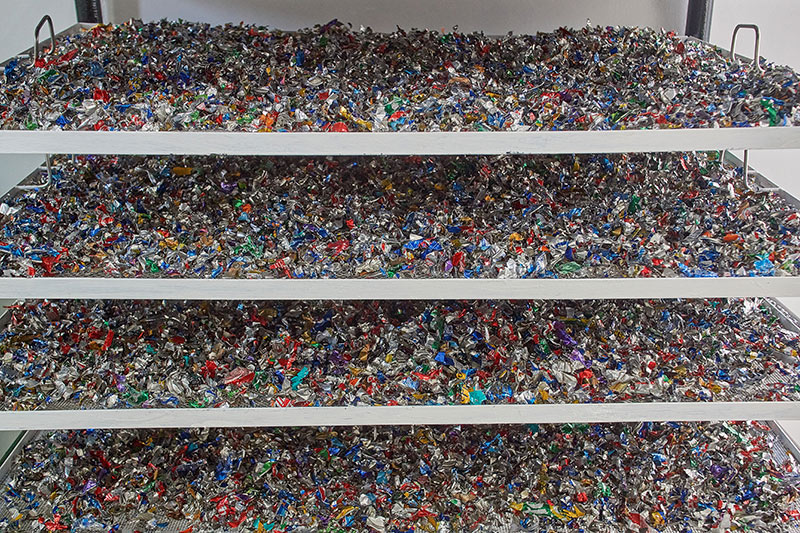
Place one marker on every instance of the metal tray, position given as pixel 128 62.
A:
pixel 783 447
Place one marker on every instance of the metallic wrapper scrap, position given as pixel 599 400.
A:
pixel 604 478
pixel 96 354
pixel 189 76
pixel 628 215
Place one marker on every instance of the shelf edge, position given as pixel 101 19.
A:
pixel 395 143
pixel 396 289
pixel 397 415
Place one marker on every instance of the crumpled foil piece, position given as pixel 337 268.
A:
pixel 603 478
pixel 191 76
pixel 623 215
pixel 118 354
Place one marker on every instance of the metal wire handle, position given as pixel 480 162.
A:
pixel 44 184
pixel 753 27
pixel 751 185
pixel 49 21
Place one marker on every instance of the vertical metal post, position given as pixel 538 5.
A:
pixel 89 11
pixel 698 18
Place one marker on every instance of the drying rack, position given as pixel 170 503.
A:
pixel 439 143
pixel 422 143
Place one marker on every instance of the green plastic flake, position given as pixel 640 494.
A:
pixel 571 266
pixel 544 346
pixel 477 397
pixel 774 120
pixel 137 397
pixel 48 74
pixel 296 380
pixel 633 205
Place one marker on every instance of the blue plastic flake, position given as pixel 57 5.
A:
pixel 96 70
pixel 444 359
pixel 765 267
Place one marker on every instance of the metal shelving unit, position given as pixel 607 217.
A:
pixel 439 143
pixel 68 416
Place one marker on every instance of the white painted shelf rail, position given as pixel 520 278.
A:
pixel 399 143
pixel 396 289
pixel 397 415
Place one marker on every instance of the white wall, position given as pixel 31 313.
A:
pixel 20 18
pixel 496 17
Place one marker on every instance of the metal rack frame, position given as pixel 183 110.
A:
pixel 45 142
pixel 438 143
